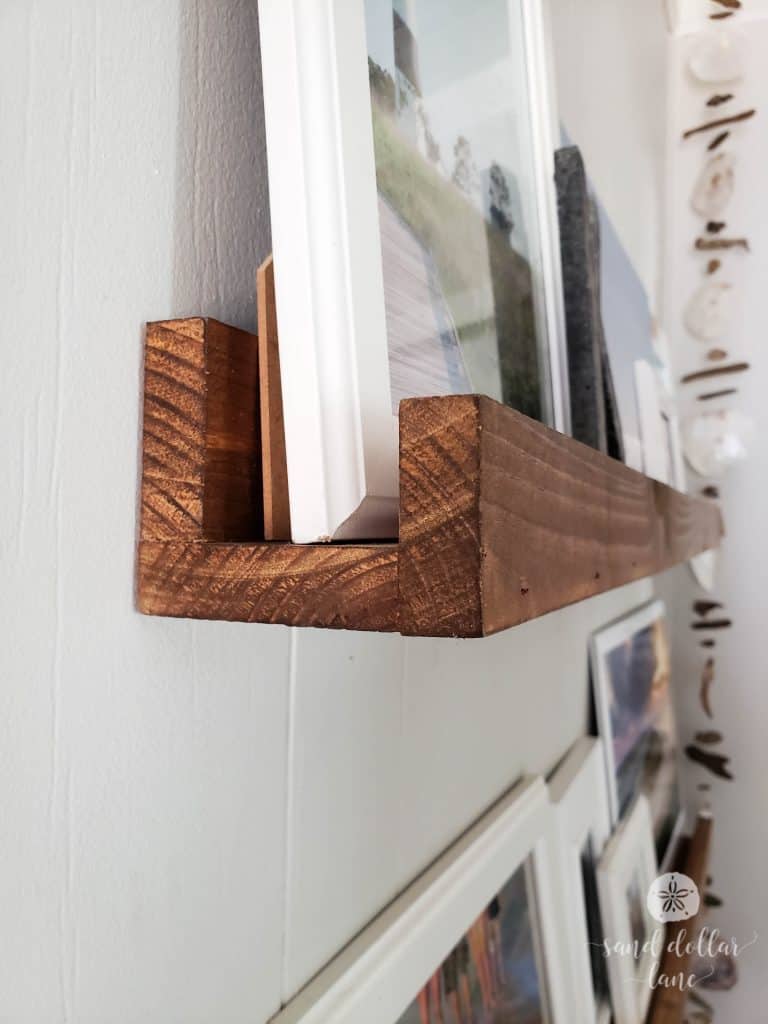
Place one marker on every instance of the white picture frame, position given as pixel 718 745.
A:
pixel 583 821
pixel 602 643
pixel 659 428
pixel 378 976
pixel 625 876
pixel 340 431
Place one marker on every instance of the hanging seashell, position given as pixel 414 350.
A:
pixel 704 567
pixel 717 56
pixel 713 441
pixel 707 681
pixel 714 187
pixel 707 315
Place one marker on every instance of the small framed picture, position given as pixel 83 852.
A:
pixel 476 938
pixel 583 819
pixel 414 231
pixel 631 679
pixel 659 428
pixel 625 876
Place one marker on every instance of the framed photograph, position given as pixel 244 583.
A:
pixel 659 427
pixel 635 717
pixel 414 231
pixel 476 937
pixel 625 876
pixel 583 821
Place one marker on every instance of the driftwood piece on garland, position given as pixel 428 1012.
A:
pixel 719 98
pixel 720 122
pixel 705 689
pixel 718 141
pixel 712 244
pixel 710 396
pixel 709 737
pixel 714 371
pixel 716 763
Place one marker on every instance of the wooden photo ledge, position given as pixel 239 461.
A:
pixel 501 518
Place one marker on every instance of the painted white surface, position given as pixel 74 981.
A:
pixel 400 744
pixel 142 762
pixel 610 70
pixel 739 694
pixel 377 977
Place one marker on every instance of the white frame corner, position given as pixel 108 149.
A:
pixel 580 797
pixel 380 973
pixel 631 847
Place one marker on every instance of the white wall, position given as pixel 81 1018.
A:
pixel 195 816
pixel 610 72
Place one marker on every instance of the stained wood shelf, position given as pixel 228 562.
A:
pixel 669 1004
pixel 501 518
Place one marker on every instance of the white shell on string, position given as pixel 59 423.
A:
pixel 704 567
pixel 708 313
pixel 713 441
pixel 714 186
pixel 717 56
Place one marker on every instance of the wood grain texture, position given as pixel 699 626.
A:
pixel 335 586
pixel 440 562
pixel 503 520
pixel 201 498
pixel 201 475
pixel 668 1005
pixel 277 509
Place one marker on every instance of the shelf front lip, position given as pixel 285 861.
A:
pixel 331 586
pixel 502 520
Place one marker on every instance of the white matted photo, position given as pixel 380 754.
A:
pixel 625 876
pixel 659 428
pixel 631 678
pixel 477 937
pixel 414 230
pixel 583 820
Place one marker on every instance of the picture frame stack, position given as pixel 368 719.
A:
pixel 416 246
